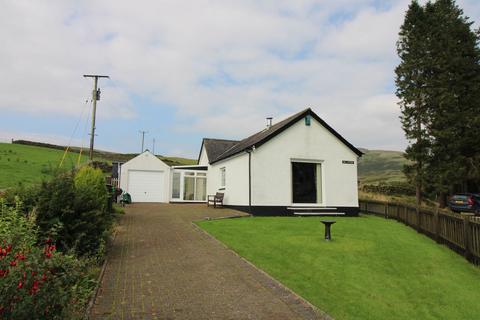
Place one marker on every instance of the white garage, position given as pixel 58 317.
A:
pixel 146 178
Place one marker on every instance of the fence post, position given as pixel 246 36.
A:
pixel 466 234
pixel 436 225
pixel 417 218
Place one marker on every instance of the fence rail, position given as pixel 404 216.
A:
pixel 460 233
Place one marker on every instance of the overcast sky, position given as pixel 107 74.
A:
pixel 184 70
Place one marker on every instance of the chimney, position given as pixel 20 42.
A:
pixel 269 122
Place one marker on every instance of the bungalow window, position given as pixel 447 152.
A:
pixel 223 177
pixel 307 182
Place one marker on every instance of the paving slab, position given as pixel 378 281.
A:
pixel 161 266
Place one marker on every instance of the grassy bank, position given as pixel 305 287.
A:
pixel 30 164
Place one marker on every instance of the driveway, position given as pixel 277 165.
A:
pixel 162 267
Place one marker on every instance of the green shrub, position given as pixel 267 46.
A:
pixel 72 208
pixel 16 228
pixel 36 281
pixel 90 189
pixel 27 194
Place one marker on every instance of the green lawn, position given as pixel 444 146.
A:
pixel 30 164
pixel 372 269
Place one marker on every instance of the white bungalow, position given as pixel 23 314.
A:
pixel 297 166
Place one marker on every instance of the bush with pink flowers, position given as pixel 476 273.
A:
pixel 36 281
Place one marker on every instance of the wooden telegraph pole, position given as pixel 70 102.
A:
pixel 95 97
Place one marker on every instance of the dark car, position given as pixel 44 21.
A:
pixel 465 202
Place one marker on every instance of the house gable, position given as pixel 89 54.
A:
pixel 213 148
pixel 203 157
pixel 146 160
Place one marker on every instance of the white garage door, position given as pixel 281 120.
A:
pixel 146 186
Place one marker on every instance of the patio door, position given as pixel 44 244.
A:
pixel 306 182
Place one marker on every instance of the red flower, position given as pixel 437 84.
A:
pixel 20 284
pixel 44 277
pixel 3 273
pixel 52 248
pixel 13 263
pixel 48 254
pixel 35 287
pixel 9 248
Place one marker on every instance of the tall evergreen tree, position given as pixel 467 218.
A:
pixel 411 79
pixel 438 82
pixel 453 98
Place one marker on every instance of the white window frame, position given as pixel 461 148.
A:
pixel 196 175
pixel 223 177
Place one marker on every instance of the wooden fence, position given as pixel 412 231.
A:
pixel 460 233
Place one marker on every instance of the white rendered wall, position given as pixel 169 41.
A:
pixel 236 189
pixel 146 162
pixel 203 161
pixel 271 166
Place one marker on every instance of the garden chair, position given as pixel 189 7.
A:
pixel 216 200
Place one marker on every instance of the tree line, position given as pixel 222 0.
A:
pixel 438 84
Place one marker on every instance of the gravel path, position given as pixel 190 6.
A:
pixel 162 267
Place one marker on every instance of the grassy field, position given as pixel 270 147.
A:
pixel 372 269
pixel 381 166
pixel 30 164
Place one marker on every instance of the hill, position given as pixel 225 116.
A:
pixel 30 162
pixel 108 156
pixel 377 166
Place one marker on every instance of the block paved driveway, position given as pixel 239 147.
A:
pixel 160 266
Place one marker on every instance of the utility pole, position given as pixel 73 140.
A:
pixel 95 97
pixel 153 146
pixel 143 138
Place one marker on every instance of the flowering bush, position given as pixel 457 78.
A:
pixel 36 281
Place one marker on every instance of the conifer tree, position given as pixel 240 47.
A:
pixel 411 79
pixel 453 98
pixel 438 83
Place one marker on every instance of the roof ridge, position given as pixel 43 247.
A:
pixel 229 140
pixel 264 135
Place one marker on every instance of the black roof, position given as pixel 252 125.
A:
pixel 231 148
pixel 215 147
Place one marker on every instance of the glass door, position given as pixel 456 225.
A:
pixel 306 182
pixel 189 186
